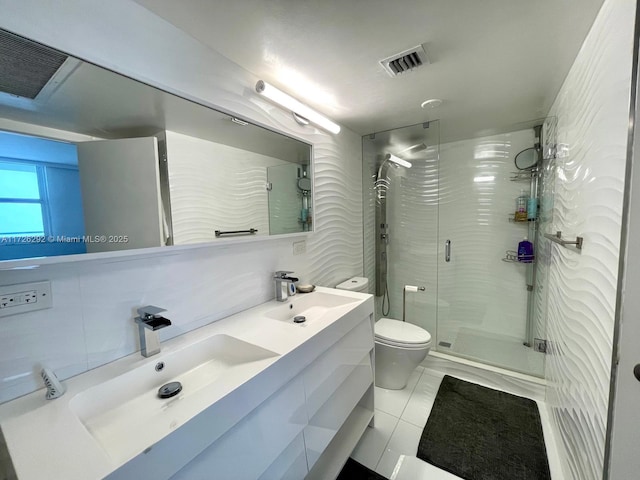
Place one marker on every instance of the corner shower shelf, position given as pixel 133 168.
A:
pixel 511 256
pixel 513 220
pixel 523 175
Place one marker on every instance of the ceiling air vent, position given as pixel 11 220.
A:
pixel 405 61
pixel 26 66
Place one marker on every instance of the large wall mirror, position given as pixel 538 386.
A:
pixel 92 161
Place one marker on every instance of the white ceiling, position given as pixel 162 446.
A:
pixel 495 63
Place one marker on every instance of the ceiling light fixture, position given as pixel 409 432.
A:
pixel 432 103
pixel 296 107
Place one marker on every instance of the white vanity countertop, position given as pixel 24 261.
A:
pixel 48 435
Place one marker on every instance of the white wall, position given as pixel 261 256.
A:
pixel 592 120
pixel 92 319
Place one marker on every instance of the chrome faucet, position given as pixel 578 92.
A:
pixel 149 322
pixel 283 283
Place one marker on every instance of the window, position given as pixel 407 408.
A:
pixel 22 203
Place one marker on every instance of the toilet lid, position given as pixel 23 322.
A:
pixel 397 332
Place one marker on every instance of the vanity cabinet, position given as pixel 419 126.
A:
pixel 334 385
pixel 251 446
pixel 289 433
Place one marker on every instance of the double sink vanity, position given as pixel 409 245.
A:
pixel 262 397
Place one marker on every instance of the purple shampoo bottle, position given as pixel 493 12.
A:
pixel 525 251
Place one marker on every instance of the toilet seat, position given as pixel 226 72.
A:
pixel 401 334
pixel 404 346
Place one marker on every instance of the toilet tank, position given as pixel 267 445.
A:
pixel 355 284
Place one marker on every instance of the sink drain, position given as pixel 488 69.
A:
pixel 169 390
pixel 299 319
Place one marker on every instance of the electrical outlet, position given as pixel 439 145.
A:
pixel 24 298
pixel 299 247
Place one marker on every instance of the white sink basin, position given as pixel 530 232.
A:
pixel 126 415
pixel 312 306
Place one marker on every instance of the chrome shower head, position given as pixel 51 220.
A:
pixel 382 182
pixel 397 160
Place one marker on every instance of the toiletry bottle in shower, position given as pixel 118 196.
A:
pixel 525 251
pixel 532 208
pixel 521 207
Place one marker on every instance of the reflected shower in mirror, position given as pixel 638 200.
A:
pixel 92 161
pixel 526 159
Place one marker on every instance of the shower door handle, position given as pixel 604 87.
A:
pixel 447 251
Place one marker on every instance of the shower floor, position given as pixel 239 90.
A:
pixel 495 349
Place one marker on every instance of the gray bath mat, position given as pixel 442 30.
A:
pixel 478 433
pixel 353 470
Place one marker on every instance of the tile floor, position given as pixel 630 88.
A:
pixel 402 414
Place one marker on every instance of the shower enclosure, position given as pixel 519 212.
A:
pixel 447 223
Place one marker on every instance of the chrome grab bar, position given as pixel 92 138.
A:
pixel 557 238
pixel 251 231
pixel 447 251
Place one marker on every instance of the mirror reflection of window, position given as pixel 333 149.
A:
pixel 21 204
pixel 40 200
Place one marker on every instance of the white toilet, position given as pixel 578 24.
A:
pixel 400 346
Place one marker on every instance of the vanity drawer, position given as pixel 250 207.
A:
pixel 324 376
pixel 290 465
pixel 252 445
pixel 331 415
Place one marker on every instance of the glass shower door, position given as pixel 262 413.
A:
pixel 400 221
pixel 482 301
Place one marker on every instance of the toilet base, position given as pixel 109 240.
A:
pixel 394 365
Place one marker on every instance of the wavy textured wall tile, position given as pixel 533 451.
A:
pixel 335 250
pixel 201 174
pixel 94 302
pixel 586 183
pixel 369 172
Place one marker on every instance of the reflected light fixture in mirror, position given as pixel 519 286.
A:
pixel 296 107
pixel 484 178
